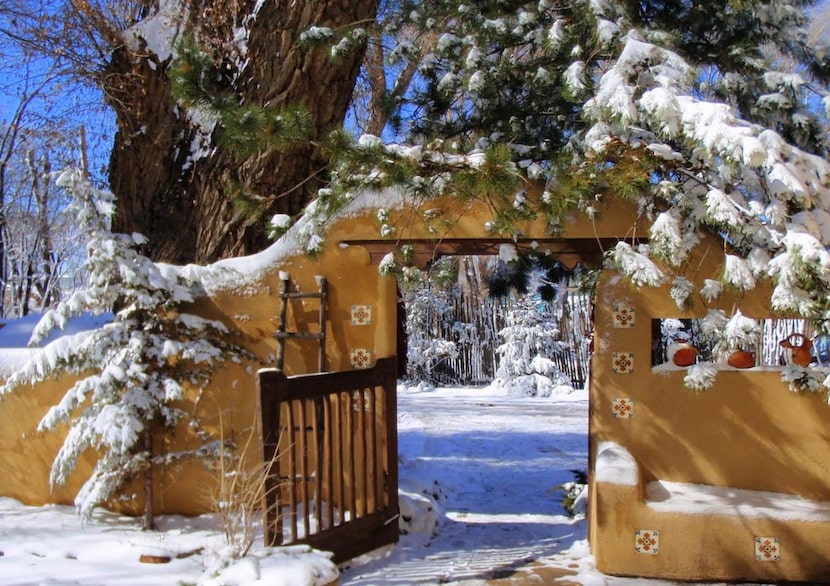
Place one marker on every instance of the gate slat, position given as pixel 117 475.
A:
pixel 372 486
pixel 292 470
pixel 328 461
pixel 342 400
pixel 348 438
pixel 302 454
pixel 362 466
pixel 318 425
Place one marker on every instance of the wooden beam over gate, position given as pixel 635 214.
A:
pixel 569 251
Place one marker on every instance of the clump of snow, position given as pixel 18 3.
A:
pixel 639 268
pixel 701 376
pixel 699 499
pixel 420 509
pixel 281 221
pixel 615 465
pixel 711 289
pixel 508 253
pixel 159 31
pixel 580 506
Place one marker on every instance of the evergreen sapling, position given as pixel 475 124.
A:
pixel 132 372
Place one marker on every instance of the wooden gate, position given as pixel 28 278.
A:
pixel 331 443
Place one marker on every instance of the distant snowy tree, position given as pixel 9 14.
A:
pixel 428 299
pixel 529 342
pixel 132 371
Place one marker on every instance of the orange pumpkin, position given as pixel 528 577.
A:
pixel 682 353
pixel 741 359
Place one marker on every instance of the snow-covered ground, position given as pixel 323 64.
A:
pixel 486 463
pixel 492 462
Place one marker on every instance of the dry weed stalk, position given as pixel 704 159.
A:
pixel 237 496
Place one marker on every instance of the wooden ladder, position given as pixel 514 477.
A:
pixel 282 335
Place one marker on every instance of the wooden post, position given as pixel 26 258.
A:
pixel 286 284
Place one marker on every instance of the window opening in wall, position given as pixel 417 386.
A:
pixel 679 342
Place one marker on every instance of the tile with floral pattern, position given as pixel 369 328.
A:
pixel 623 317
pixel 361 315
pixel 647 541
pixel 623 362
pixel 767 549
pixel 622 407
pixel 361 358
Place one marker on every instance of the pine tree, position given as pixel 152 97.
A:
pixel 675 105
pixel 680 106
pixel 529 342
pixel 133 371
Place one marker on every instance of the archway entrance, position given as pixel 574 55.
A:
pixel 468 316
pixel 490 463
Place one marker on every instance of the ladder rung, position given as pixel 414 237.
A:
pixel 298 336
pixel 301 295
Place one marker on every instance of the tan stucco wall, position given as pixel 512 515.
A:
pixel 748 431
pixel 26 455
pixel 702 547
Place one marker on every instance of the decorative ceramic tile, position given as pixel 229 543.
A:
pixel 767 549
pixel 647 541
pixel 361 358
pixel 623 362
pixel 623 317
pixel 361 315
pixel 623 407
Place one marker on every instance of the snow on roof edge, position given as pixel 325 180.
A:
pixel 239 273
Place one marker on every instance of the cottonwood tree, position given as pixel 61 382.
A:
pixel 176 181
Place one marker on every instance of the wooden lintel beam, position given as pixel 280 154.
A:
pixel 570 251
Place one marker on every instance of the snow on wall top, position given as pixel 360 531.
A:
pixel 676 497
pixel 615 465
pixel 244 273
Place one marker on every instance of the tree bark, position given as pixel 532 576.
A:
pixel 148 518
pixel 186 207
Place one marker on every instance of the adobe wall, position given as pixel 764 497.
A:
pixel 362 316
pixel 243 293
pixel 748 432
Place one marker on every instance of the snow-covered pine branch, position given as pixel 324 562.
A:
pixel 602 100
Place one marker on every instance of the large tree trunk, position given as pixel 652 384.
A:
pixel 186 207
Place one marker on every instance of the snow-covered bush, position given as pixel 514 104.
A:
pixel 428 298
pixel 133 371
pixel 528 344
pixel 575 493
